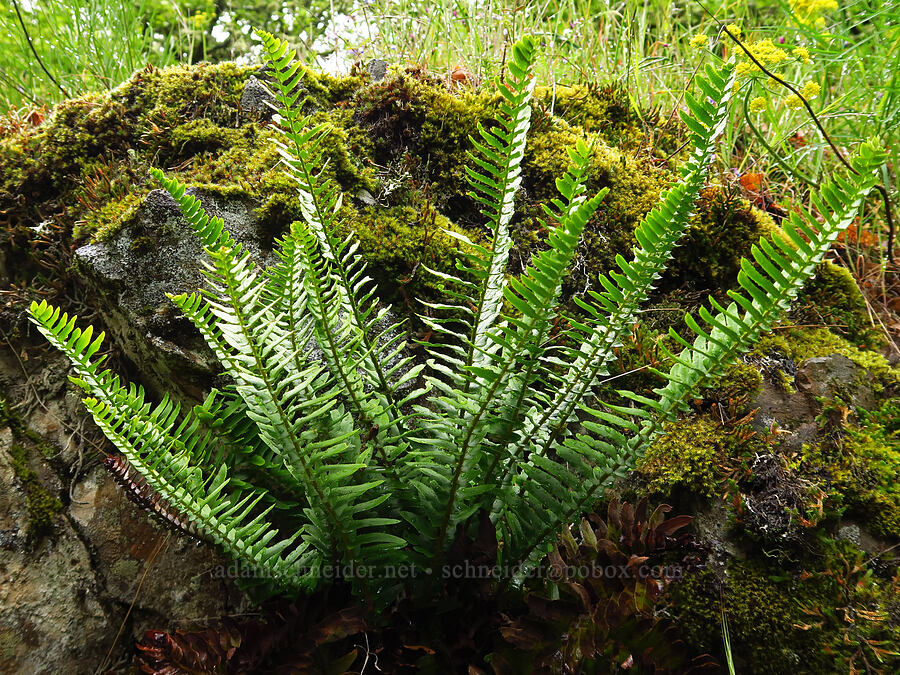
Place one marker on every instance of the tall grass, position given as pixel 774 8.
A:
pixel 50 49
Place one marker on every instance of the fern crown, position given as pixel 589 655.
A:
pixel 364 457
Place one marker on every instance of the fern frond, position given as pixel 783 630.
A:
pixel 465 364
pixel 769 286
pixel 301 151
pixel 611 313
pixel 783 269
pixel 171 456
pixel 609 316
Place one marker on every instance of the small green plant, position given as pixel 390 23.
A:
pixel 361 463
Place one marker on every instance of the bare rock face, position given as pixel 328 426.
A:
pixel 791 399
pixel 159 253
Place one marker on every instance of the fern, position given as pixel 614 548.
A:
pixel 363 457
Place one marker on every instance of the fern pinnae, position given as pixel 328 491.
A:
pixel 501 153
pixel 320 202
pixel 501 156
pixel 613 311
pixel 769 290
pixel 731 332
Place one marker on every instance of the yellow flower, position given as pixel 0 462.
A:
pixel 699 41
pixel 745 68
pixel 759 104
pixel 802 53
pixel 767 52
pixel 793 101
pixel 811 90
pixel 813 6
pixel 734 29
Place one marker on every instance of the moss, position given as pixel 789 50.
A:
pixel 818 617
pixel 799 344
pixel 604 109
pixel 111 217
pixel 396 242
pixel 761 618
pixel 722 232
pixel 42 506
pixel 860 470
pixel 832 298
pixel 689 457
pixel 737 386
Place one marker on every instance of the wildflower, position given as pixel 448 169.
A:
pixel 813 6
pixel 699 41
pixel 745 68
pixel 766 52
pixel 734 29
pixel 802 53
pixel 793 102
pixel 811 90
pixel 759 104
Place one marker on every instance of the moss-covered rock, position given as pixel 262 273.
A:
pixel 689 457
pixel 799 344
pixel 828 613
pixel 858 469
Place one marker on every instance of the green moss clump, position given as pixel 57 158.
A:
pixel 604 110
pixel 832 298
pixel 762 617
pixel 736 387
pixel 799 344
pixel 721 233
pixel 111 217
pixel 688 457
pixel 862 469
pixel 396 243
pixel 821 616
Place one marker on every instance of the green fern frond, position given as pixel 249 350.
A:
pixel 781 270
pixel 609 316
pixel 301 150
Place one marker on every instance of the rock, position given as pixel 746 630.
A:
pixel 789 394
pixel 51 617
pixel 66 590
pixel 836 375
pixel 377 69
pixel 127 542
pixel 132 272
pixel 257 99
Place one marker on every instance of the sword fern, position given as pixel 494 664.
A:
pixel 361 456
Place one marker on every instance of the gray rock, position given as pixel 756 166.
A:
pixel 789 394
pixel 64 593
pixel 377 69
pixel 156 253
pixel 836 375
pixel 256 99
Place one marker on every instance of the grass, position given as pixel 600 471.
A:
pixel 853 47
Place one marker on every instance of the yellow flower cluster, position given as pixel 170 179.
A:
pixel 809 12
pixel 802 54
pixel 699 41
pixel 766 53
pixel 759 104
pixel 810 90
